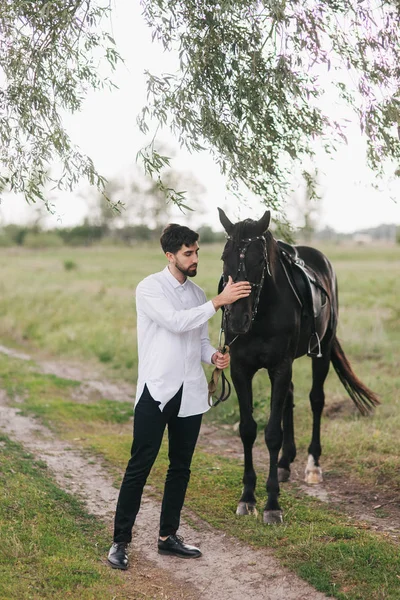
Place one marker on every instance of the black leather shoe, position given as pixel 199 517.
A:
pixel 117 556
pixel 174 545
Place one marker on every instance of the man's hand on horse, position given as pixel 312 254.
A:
pixel 232 292
pixel 221 361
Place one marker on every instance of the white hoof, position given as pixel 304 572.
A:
pixel 313 474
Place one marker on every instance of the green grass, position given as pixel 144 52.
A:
pixel 49 546
pixel 334 554
pixel 320 545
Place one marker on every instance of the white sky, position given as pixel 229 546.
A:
pixel 106 130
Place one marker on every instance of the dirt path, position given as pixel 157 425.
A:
pixel 92 383
pixel 228 568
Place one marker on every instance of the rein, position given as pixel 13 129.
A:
pixel 217 373
pixel 212 384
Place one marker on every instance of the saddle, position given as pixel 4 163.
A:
pixel 309 292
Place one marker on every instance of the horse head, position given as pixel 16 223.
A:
pixel 245 259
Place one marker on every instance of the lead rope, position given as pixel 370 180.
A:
pixel 217 373
pixel 213 383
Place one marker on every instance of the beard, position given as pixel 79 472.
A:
pixel 190 272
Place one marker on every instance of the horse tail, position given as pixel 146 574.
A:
pixel 364 399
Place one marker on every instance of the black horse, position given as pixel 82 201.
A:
pixel 292 311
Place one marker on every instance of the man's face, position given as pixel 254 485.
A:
pixel 186 259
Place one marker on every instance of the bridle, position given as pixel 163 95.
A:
pixel 244 243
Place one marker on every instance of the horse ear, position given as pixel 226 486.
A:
pixel 264 221
pixel 225 222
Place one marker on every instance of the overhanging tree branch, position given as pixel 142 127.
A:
pixel 49 57
pixel 251 77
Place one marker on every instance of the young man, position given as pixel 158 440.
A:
pixel 172 334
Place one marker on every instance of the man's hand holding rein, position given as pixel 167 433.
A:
pixel 221 361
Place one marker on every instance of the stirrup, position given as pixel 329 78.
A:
pixel 309 352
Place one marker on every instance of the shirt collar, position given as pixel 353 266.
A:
pixel 172 280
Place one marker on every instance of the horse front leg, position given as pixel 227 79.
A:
pixel 280 385
pixel 320 368
pixel 248 433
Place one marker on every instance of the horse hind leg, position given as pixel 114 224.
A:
pixel 288 444
pixel 320 369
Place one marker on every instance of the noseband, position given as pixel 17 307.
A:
pixel 244 243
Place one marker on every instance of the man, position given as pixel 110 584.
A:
pixel 172 333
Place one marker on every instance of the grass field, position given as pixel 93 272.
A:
pixel 87 313
pixel 78 304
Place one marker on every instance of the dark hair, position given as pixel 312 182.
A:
pixel 175 236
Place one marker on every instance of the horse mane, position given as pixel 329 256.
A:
pixel 273 250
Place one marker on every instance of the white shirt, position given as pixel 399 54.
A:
pixel 173 340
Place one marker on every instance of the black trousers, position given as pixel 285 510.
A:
pixel 148 429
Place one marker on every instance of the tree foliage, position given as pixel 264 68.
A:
pixel 252 75
pixel 133 198
pixel 50 52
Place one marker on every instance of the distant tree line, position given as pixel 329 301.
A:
pixel 382 233
pixel 88 234
pixel 133 210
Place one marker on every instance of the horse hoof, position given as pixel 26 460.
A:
pixel 245 508
pixel 273 517
pixel 283 475
pixel 314 477
pixel 313 474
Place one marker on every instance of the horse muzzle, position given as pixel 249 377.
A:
pixel 238 322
